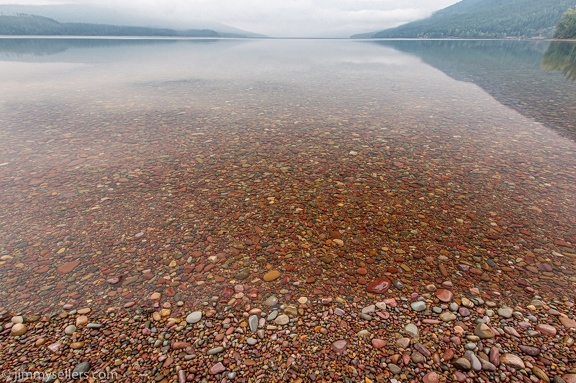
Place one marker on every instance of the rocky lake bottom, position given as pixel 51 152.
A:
pixel 343 223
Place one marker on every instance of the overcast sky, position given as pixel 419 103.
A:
pixel 282 18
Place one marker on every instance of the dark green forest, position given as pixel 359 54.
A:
pixel 31 25
pixel 485 19
pixel 566 28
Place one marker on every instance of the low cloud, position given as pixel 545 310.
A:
pixel 297 18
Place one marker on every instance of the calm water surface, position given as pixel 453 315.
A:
pixel 131 159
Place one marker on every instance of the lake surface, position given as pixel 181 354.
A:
pixel 188 167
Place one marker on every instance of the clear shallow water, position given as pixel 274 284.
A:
pixel 141 159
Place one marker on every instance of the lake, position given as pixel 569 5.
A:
pixel 217 173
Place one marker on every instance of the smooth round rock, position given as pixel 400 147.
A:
pixel 462 364
pixel 505 312
pixel 418 306
pixel 271 275
pixel 18 329
pixel 194 317
pixel 431 377
pixel 483 331
pixel 271 301
pixel 444 295
pixel 217 368
pixel 512 361
pixel 447 316
pixel 379 286
pixel 378 343
pixel 282 319
pixel 412 330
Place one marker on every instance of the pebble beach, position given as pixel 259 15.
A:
pixel 285 236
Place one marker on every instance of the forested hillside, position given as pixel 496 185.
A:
pixel 566 28
pixel 29 25
pixel 485 19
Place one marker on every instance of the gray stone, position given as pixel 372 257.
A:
pixel 94 325
pixel 70 329
pixel 251 341
pixel 215 350
pixel 253 323
pixel 418 306
pixel 470 346
pixel 282 319
pixel 417 357
pixel 412 330
pixel 272 316
pixel 487 366
pixel 453 306
pixel 80 370
pixel 369 309
pixel 505 312
pixel 271 301
pixel 394 369
pixel 475 362
pixel 194 317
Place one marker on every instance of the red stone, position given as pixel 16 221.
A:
pixel 340 346
pixel 217 368
pixel 379 286
pixel 444 295
pixel 68 267
pixel 546 329
pixel 567 322
pixel 180 345
pixel 430 377
pixel 378 343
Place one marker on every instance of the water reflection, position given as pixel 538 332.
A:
pixel 561 56
pixel 511 72
pixel 29 48
pixel 154 72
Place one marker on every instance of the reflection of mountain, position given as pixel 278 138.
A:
pixel 509 71
pixel 21 48
pixel 561 56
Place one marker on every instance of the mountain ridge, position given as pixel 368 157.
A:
pixel 34 25
pixel 483 19
pixel 90 14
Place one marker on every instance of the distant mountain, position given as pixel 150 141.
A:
pixel 29 25
pixel 90 14
pixel 484 19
